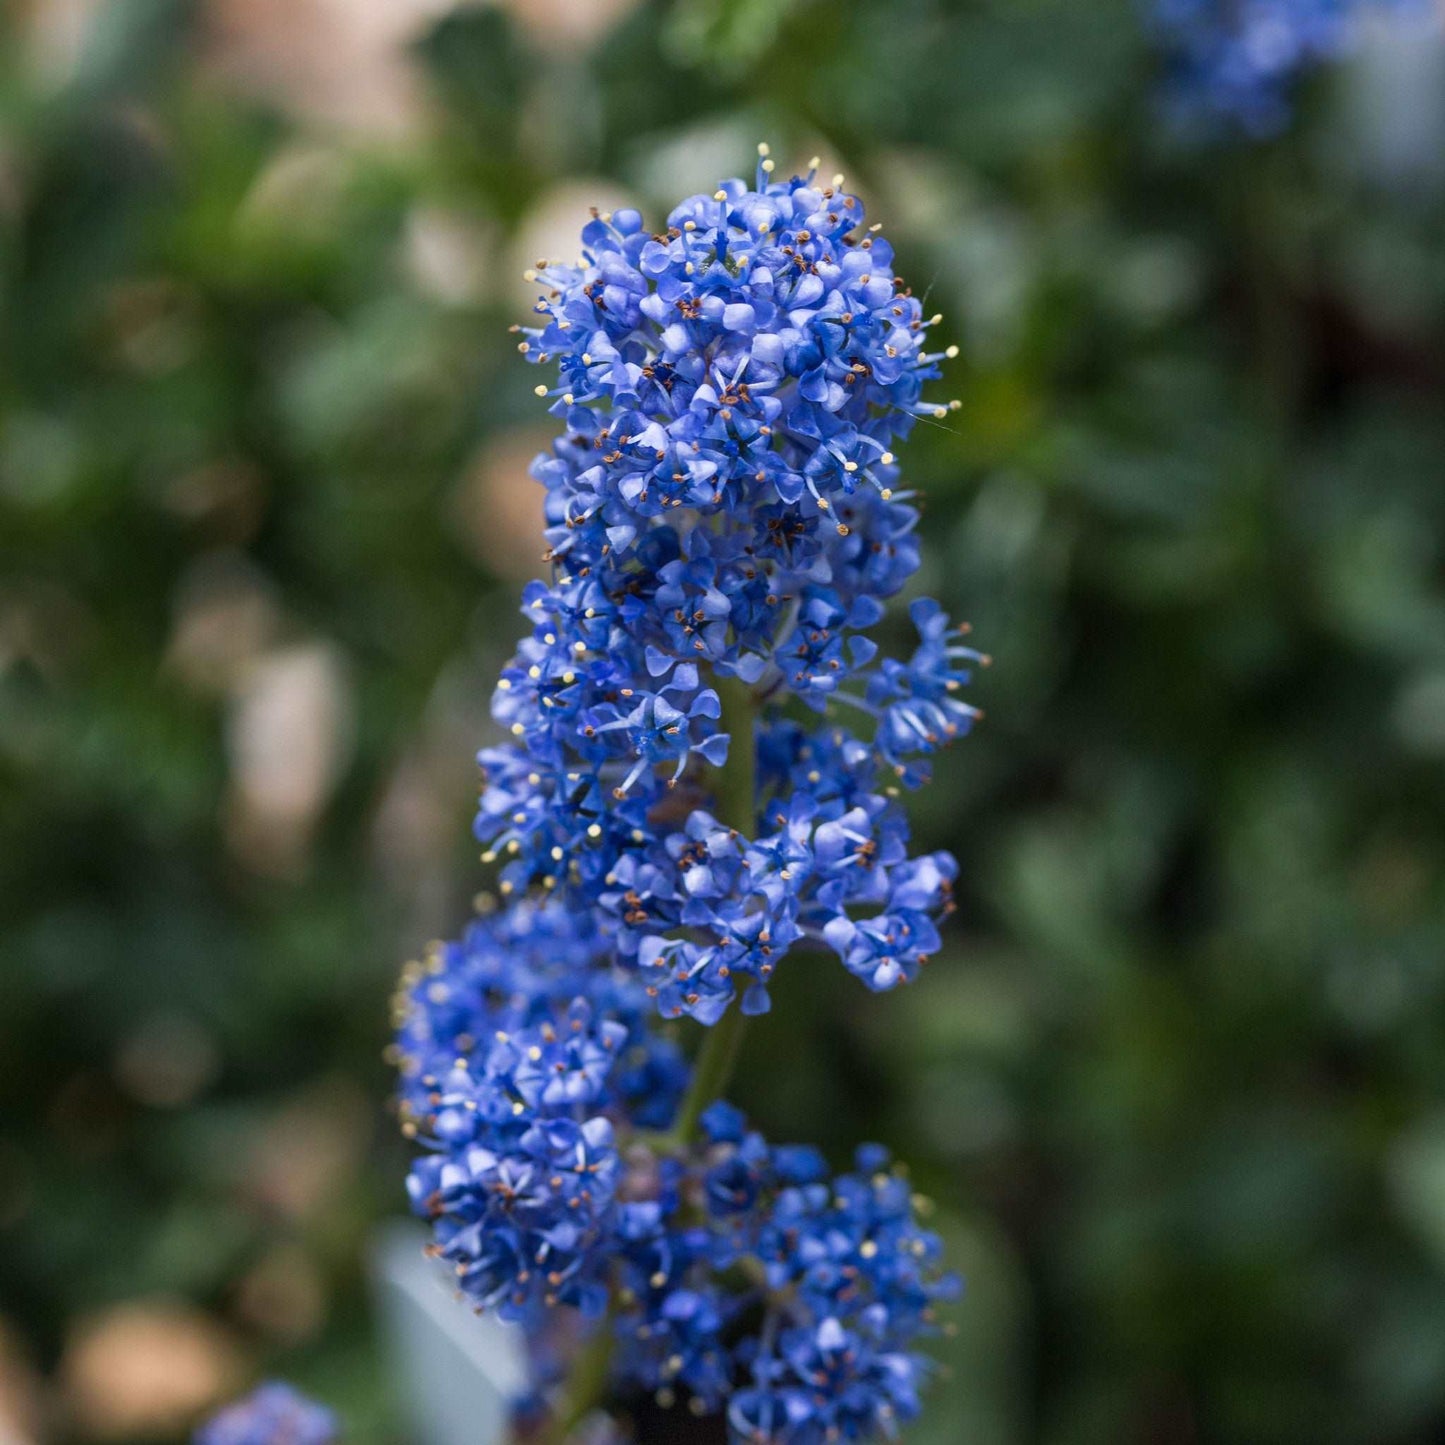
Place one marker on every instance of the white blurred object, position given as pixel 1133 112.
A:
pixel 459 1371
pixel 299 191
pixel 289 737
pixel 1397 99
pixel 57 33
pixel 698 157
pixel 449 255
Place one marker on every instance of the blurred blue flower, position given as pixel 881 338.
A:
pixel 1232 63
pixel 273 1414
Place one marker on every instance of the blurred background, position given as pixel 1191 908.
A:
pixel 1177 1085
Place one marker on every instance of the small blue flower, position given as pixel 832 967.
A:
pixel 273 1414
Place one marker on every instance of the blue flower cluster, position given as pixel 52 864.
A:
pixel 273 1414
pixel 521 1054
pixel 1233 62
pixel 734 1273
pixel 677 805
pixel 723 518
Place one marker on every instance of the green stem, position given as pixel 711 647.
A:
pixel 737 787
pixel 710 1074
pixel 737 807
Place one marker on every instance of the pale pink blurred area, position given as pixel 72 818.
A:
pixel 283 1294
pixel 146 1367
pixel 340 63
pixel 23 1403
pixel 304 1157
pixel 56 33
pixel 347 64
pixel 290 732
pixel 574 25
pixel 497 507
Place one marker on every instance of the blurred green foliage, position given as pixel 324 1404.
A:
pixel 1176 1084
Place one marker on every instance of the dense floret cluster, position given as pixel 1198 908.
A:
pixel 1233 62
pixel 732 1273
pixel 273 1414
pixel 723 521
pixel 522 1055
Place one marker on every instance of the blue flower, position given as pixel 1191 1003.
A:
pixel 273 1414
pixel 1233 65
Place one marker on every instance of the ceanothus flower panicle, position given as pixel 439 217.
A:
pixel 724 516
pixel 704 756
